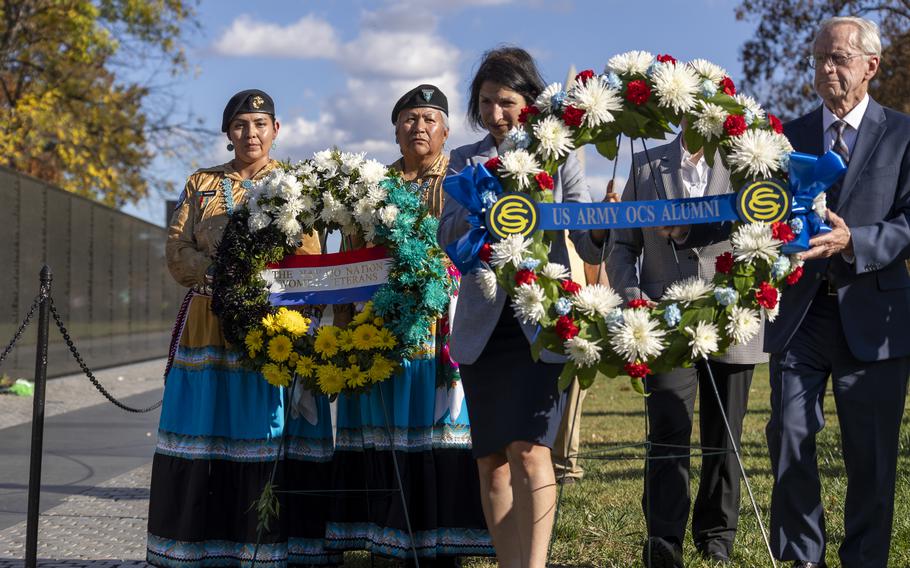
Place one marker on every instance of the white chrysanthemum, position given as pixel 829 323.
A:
pixel 259 221
pixel 555 271
pixel 528 303
pixel 704 339
pixel 676 87
pixel 783 144
pixel 351 161
pixel 598 101
pixel 554 136
pixel 638 336
pixel 771 315
pixel 582 352
pixel 388 214
pixel 756 153
pixel 709 120
pixel 291 207
pixel 689 290
pixel 288 187
pixel 596 299
pixel 365 214
pixel 743 325
pixel 521 166
pixel 708 70
pixel 372 172
pixel 289 225
pixel 377 194
pixel 486 278
pixel 750 105
pixel 324 160
pixel 333 210
pixel 511 249
pixel 755 241
pixel 630 63
pixel 544 100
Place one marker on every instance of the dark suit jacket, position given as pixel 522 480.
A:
pixel 874 291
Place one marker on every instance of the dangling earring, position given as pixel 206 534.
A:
pixel 230 147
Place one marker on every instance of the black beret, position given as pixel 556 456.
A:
pixel 421 96
pixel 251 100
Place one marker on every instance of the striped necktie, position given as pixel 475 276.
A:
pixel 840 145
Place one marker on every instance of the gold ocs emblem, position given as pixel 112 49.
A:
pixel 512 214
pixel 764 201
pixel 257 102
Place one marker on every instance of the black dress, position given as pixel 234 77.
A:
pixel 509 396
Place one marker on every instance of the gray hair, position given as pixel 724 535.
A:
pixel 868 39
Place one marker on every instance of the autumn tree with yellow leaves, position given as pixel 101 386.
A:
pixel 81 101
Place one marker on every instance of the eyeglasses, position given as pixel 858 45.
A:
pixel 838 59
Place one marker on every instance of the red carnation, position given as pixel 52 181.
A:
pixel 566 328
pixel 782 232
pixel 527 113
pixel 444 328
pixel 794 276
pixel 735 125
pixel 572 116
pixel 525 276
pixel 493 164
pixel 637 370
pixel 776 124
pixel 724 263
pixel 638 92
pixel 639 303
pixel 727 86
pixel 584 76
pixel 544 180
pixel 570 286
pixel 486 251
pixel 766 296
pixel 666 58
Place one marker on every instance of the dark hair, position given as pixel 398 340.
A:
pixel 511 67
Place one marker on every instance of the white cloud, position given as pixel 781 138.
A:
pixel 307 38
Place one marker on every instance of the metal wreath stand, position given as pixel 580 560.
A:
pixel 694 451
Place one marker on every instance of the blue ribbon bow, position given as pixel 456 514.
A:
pixel 468 188
pixel 809 176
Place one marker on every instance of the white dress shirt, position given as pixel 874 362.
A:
pixel 694 176
pixel 853 120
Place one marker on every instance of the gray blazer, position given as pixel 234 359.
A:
pixel 658 266
pixel 475 317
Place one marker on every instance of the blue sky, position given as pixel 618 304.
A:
pixel 336 68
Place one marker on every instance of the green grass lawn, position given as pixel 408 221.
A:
pixel 600 520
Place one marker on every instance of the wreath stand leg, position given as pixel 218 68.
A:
pixel 404 501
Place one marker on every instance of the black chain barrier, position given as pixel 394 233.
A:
pixel 25 322
pixel 88 373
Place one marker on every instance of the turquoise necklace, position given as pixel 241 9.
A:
pixel 227 191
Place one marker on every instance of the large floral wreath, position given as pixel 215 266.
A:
pixel 332 191
pixel 642 96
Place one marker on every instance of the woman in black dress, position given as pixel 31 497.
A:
pixel 514 404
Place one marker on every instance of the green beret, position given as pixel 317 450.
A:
pixel 251 100
pixel 421 96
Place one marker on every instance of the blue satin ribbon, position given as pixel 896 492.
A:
pixel 467 188
pixel 809 176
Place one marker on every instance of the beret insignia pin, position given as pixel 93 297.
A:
pixel 427 94
pixel 257 102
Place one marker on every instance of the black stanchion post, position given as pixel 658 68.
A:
pixel 34 470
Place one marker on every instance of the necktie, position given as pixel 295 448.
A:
pixel 840 146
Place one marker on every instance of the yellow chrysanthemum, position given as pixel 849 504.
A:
pixel 365 337
pixel 356 377
pixel 254 341
pixel 378 322
pixel 352 359
pixel 330 378
pixel 270 324
pixel 292 322
pixel 365 315
pixel 346 340
pixel 326 343
pixel 277 375
pixel 280 348
pixel 387 338
pixel 381 369
pixel 306 366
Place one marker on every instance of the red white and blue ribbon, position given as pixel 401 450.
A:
pixel 337 278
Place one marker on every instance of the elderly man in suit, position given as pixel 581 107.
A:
pixel 847 317
pixel 642 263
